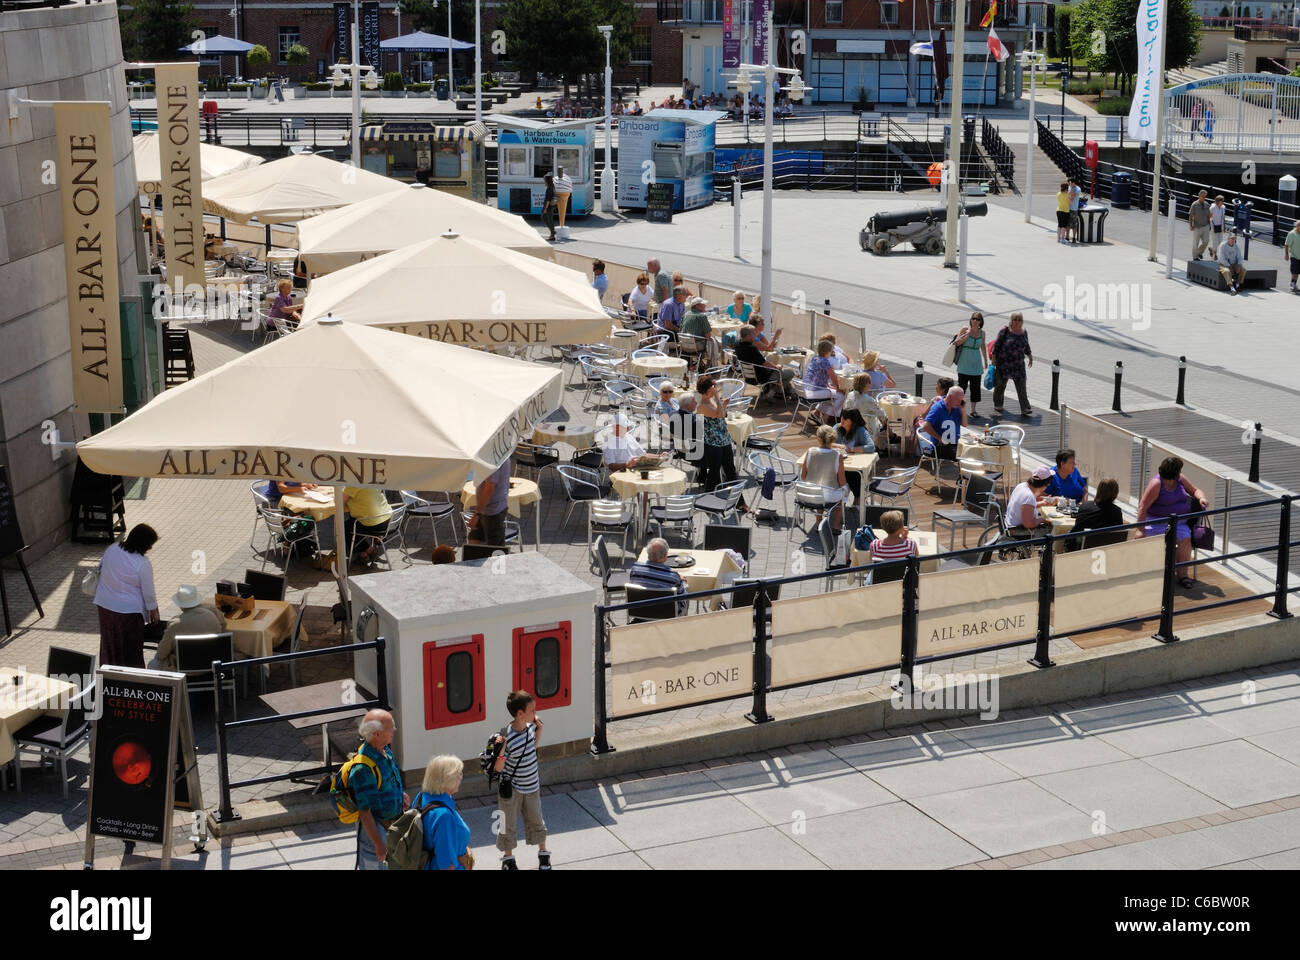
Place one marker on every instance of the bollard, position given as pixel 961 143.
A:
pixel 826 307
pixel 1282 585
pixel 1165 634
pixel 920 379
pixel 1254 453
pixel 736 191
pixel 1056 386
pixel 1182 382
pixel 1119 377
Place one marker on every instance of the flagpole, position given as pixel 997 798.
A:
pixel 1031 135
pixel 956 82
pixel 1159 83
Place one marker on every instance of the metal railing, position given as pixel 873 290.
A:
pixel 222 671
pixel 1003 159
pixel 909 656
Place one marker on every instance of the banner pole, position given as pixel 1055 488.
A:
pixel 1159 82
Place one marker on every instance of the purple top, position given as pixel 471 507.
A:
pixel 1009 353
pixel 282 305
pixel 820 373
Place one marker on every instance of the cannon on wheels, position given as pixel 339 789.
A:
pixel 922 227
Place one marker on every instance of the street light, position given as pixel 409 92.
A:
pixel 796 90
pixel 607 175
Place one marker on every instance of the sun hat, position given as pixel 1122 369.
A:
pixel 187 596
pixel 1042 473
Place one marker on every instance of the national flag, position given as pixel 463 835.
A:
pixel 996 48
pixel 988 17
pixel 925 49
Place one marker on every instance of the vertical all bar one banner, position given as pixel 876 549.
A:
pixel 178 163
pixel 1147 84
pixel 84 152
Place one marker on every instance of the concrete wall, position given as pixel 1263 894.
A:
pixel 1214 47
pixel 70 53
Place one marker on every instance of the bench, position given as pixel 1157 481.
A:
pixel 1206 273
pixel 464 103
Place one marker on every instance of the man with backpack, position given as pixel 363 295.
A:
pixel 374 781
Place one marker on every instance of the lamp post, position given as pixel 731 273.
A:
pixel 478 63
pixel 451 82
pixel 607 175
pixel 961 11
pixel 796 90
pixel 356 85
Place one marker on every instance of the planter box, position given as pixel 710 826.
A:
pixel 393 94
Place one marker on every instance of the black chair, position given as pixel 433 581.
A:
pixel 295 639
pixel 535 458
pixel 871 514
pixel 888 574
pixel 481 551
pixel 828 538
pixel 613 581
pixel 657 611
pixel 720 536
pixel 747 591
pixel 978 509
pixel 1101 538
pixel 58 738
pixel 194 656
pixel 266 586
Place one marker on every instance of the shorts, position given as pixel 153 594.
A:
pixel 1295 267
pixel 530 804
pixel 1062 219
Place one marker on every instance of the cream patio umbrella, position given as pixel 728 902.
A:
pixel 353 233
pixel 337 404
pixel 214 162
pixel 292 188
pixel 463 291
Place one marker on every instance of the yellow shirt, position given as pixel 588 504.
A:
pixel 367 506
pixel 1063 201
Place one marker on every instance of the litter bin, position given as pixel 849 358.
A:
pixel 441 88
pixel 1121 190
pixel 968 128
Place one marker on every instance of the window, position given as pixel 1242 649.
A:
pixel 569 158
pixel 288 37
pixel 446 161
pixel 453 682
pixel 543 662
pixel 642 47
pixel 834 11
pixel 543 162
pixel 546 668
pixel 516 161
pixel 943 11
pixel 889 13
pixel 460 682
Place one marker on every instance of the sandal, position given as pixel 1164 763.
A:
pixel 1187 583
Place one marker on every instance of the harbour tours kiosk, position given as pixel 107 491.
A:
pixel 527 150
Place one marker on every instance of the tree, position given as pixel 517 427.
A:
pixel 431 17
pixel 297 55
pixel 559 37
pixel 259 56
pixel 1103 34
pixel 153 30
pixel 1061 36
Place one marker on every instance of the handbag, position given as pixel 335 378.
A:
pixel 989 377
pixel 90 582
pixel 950 355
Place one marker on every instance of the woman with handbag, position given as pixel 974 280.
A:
pixel 446 835
pixel 1169 493
pixel 1009 355
pixel 971 356
pixel 124 594
pixel 548 205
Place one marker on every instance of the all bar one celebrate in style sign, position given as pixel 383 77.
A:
pixel 85 171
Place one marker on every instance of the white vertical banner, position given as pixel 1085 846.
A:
pixel 1144 114
pixel 178 163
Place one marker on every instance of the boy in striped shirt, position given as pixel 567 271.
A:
pixel 518 761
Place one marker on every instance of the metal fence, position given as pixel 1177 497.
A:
pixel 909 652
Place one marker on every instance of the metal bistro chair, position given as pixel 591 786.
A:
pixel 806 398
pixel 1016 435
pixel 656 342
pixel 266 586
pixel 645 353
pixel 281 539
pixel 668 610
pixel 749 373
pixel 295 641
pixel 392 529
pixel 979 509
pixel 945 472
pixel 610 516
pixel 678 511
pixel 746 592
pixel 767 436
pixel 827 539
pixel 784 471
pixel 418 509
pixel 611 580
pixel 723 501
pixel 895 485
pixel 535 458
pixel 260 499
pixel 810 498
pixel 194 657
pixel 57 738
pixel 580 486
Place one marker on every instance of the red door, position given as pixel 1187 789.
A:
pixel 453 681
pixel 544 662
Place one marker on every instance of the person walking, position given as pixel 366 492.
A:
pixel 446 834
pixel 972 356
pixel 548 205
pixel 1198 222
pixel 125 598
pixel 1218 217
pixel 1063 212
pixel 1291 251
pixel 1010 353
pixel 376 783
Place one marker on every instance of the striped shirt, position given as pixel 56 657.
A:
pixel 883 550
pixel 521 759
pixel 656 576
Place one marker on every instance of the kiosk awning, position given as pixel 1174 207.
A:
pixel 404 132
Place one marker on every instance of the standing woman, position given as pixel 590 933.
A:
pixel 972 360
pixel 1009 354
pixel 719 461
pixel 125 598
pixel 446 835
pixel 548 205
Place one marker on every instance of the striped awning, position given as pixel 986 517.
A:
pixel 398 133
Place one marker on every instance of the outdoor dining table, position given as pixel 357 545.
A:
pixel 580 436
pixel 317 696
pixel 624 341
pixel 740 426
pixel 861 463
pixel 712 569
pixel 1060 522
pixel 672 367
pixel 907 410
pixel 974 447
pixel 927 546
pixel 32 697
pixel 522 493
pixel 845 376
pixel 720 327
pixel 317 504
pixel 258 632
pixel 661 481
pixel 792 358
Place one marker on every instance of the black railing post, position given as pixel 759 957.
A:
pixel 1042 656
pixel 600 738
pixel 1119 378
pixel 1056 386
pixel 1283 562
pixel 1256 440
pixel 381 674
pixel 758 713
pixel 920 378
pixel 226 811
pixel 1166 632
pixel 1182 382
pixel 907 656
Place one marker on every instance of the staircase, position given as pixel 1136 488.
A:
pixel 1047 175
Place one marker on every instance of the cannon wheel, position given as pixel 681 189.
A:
pixel 934 245
pixel 864 243
pixel 882 245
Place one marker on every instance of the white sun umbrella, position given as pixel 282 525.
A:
pixel 292 188
pixel 337 404
pixel 214 162
pixel 458 290
pixel 356 232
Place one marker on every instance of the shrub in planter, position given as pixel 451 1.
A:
pixel 238 87
pixel 297 55
pixel 392 82
pixel 258 56
pixel 215 85
pixel 417 88
pixel 1116 107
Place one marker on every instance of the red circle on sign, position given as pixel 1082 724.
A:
pixel 132 763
